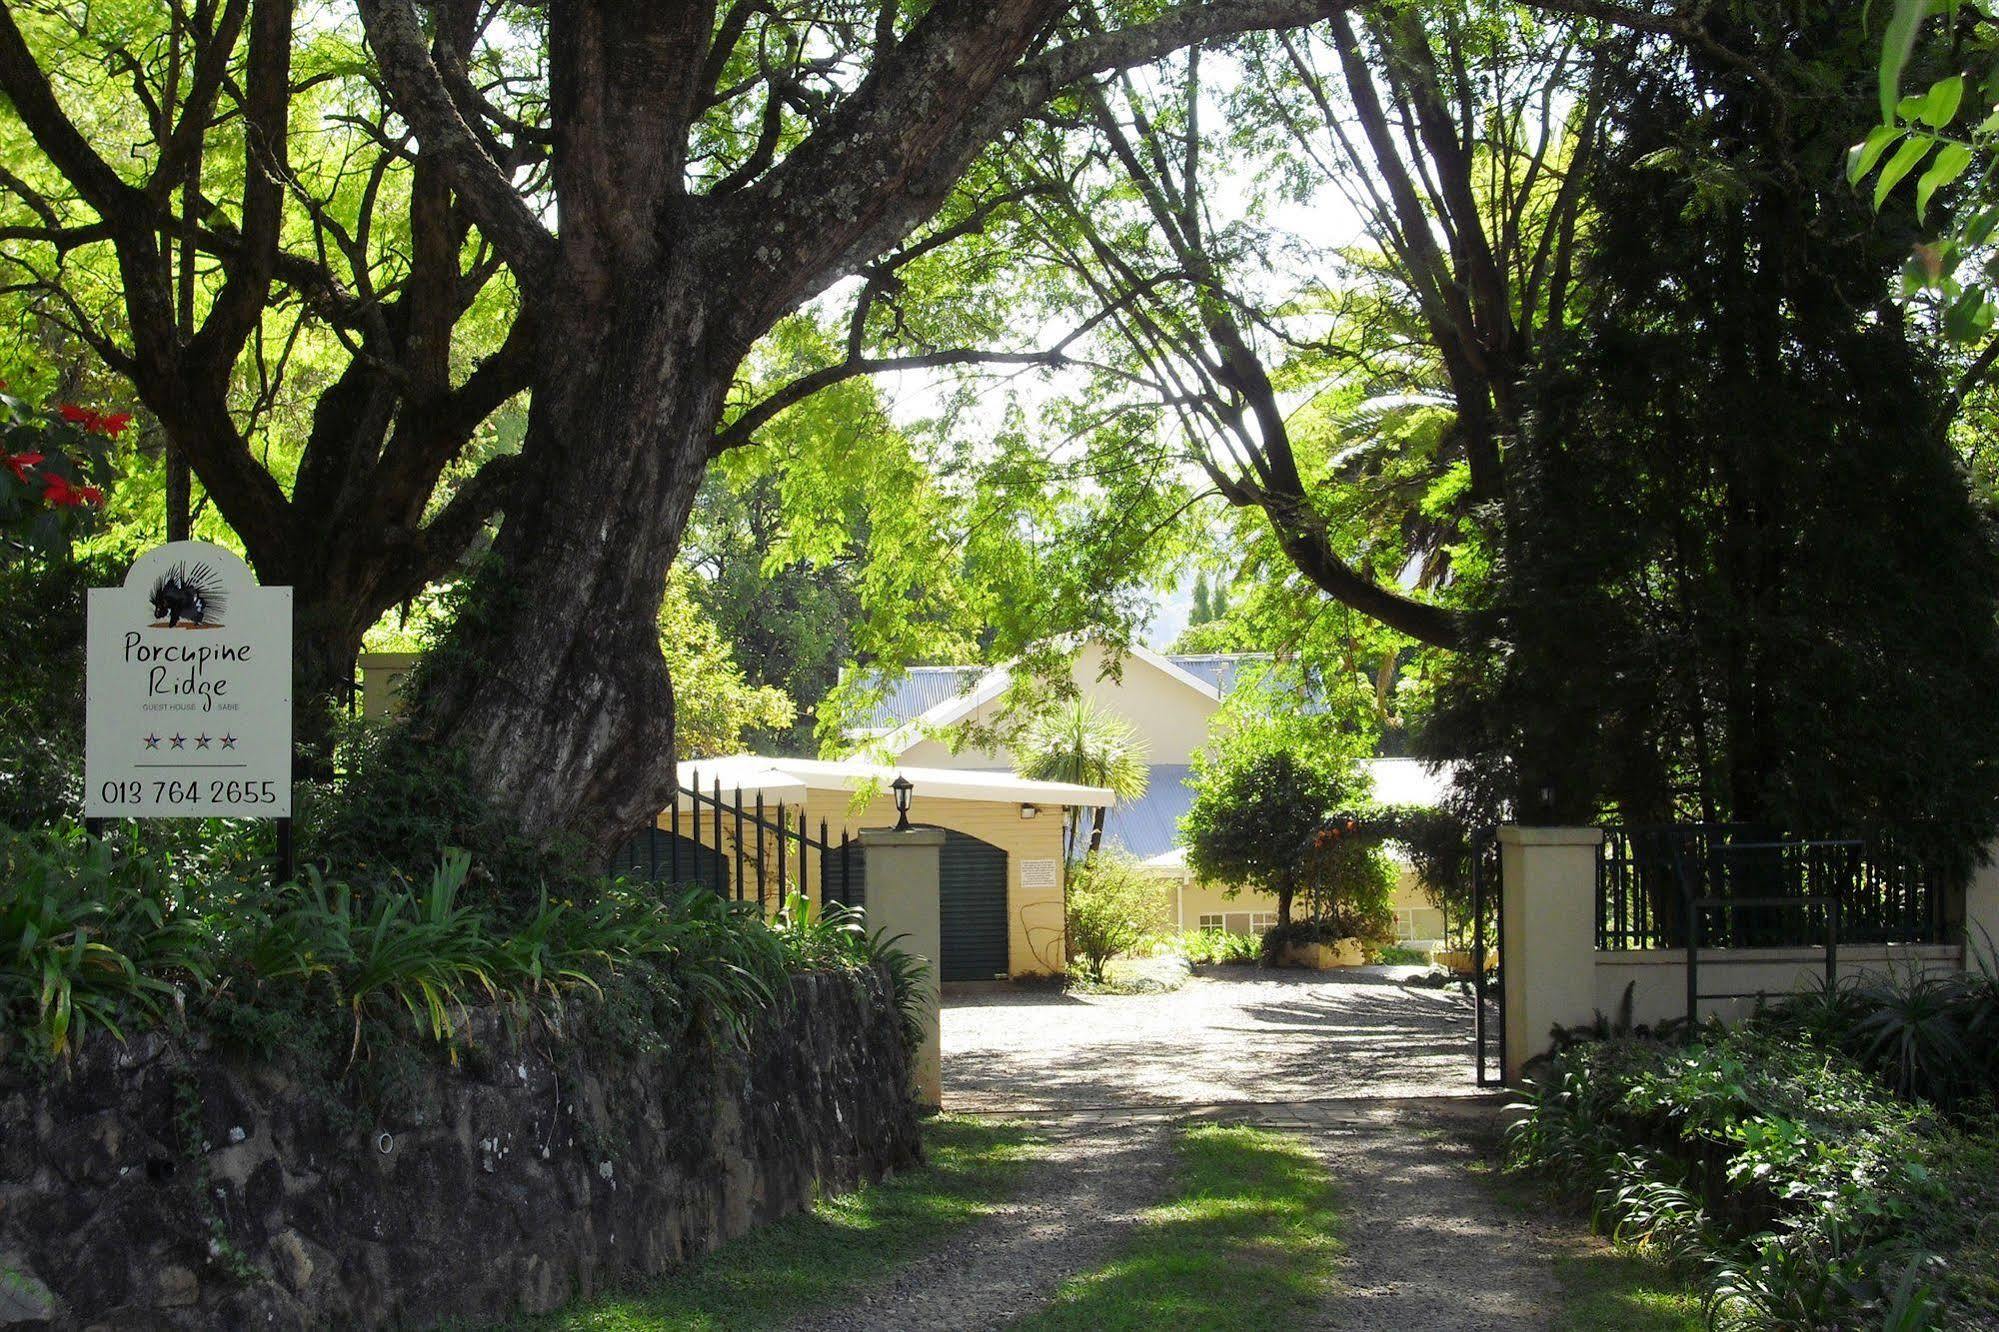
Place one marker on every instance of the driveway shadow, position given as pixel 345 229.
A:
pixel 1256 1036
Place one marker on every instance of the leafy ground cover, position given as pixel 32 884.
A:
pixel 828 1256
pixel 1786 1173
pixel 1247 1239
pixel 101 936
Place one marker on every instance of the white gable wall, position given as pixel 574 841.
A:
pixel 1171 715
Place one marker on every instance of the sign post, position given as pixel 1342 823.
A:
pixel 189 686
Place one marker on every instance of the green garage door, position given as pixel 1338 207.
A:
pixel 971 878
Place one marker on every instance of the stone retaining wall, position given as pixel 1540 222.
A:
pixel 161 1184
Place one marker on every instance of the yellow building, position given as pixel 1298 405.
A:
pixel 1170 700
pixel 1194 905
pixel 1001 872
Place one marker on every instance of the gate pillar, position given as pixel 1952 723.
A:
pixel 903 899
pixel 1981 907
pixel 1547 934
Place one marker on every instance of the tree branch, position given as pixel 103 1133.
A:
pixel 420 95
pixel 743 429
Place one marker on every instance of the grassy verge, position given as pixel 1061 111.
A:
pixel 1606 1285
pixel 830 1255
pixel 1246 1240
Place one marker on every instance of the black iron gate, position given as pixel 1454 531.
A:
pixel 748 851
pixel 1488 988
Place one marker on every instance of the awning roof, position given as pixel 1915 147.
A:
pixel 790 779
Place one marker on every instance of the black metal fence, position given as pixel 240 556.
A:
pixel 746 850
pixel 1748 887
pixel 1488 995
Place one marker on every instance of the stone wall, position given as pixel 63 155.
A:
pixel 158 1183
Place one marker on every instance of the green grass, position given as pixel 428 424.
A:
pixel 1625 1290
pixel 1246 1240
pixel 830 1255
pixel 1606 1285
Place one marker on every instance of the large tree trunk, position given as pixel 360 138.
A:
pixel 561 699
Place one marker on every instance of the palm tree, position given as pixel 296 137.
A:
pixel 1086 745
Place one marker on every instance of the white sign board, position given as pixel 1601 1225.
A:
pixel 1039 874
pixel 190 691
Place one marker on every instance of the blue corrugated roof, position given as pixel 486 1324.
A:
pixel 1151 824
pixel 918 690
pixel 922 688
pixel 1223 670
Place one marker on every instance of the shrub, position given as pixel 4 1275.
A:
pixel 1260 795
pixel 41 688
pixel 1220 946
pixel 400 805
pixel 1804 1188
pixel 1350 887
pixel 1279 939
pixel 1112 906
pixel 1927 1036
pixel 97 935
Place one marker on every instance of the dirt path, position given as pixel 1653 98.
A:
pixel 1373 1074
pixel 1427 1246
pixel 1072 1213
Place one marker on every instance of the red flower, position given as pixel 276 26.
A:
pixel 102 423
pixel 19 463
pixel 62 495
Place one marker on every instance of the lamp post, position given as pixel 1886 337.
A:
pixel 902 787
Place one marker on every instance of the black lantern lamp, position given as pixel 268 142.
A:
pixel 902 787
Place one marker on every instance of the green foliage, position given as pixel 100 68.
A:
pixel 714 706
pixel 96 935
pixel 1112 906
pixel 1743 577
pixel 398 804
pixel 1926 1035
pixel 84 946
pixel 785 607
pixel 41 688
pixel 1086 744
pixel 54 463
pixel 1797 1181
pixel 1349 886
pixel 1262 790
pixel 1950 130
pixel 1225 947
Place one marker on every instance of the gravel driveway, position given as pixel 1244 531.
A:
pixel 1231 1035
pixel 1375 1075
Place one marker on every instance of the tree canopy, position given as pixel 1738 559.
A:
pixel 1428 331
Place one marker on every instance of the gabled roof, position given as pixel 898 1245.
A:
pixel 915 692
pixel 927 698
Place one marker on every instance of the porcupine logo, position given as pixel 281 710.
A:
pixel 190 598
